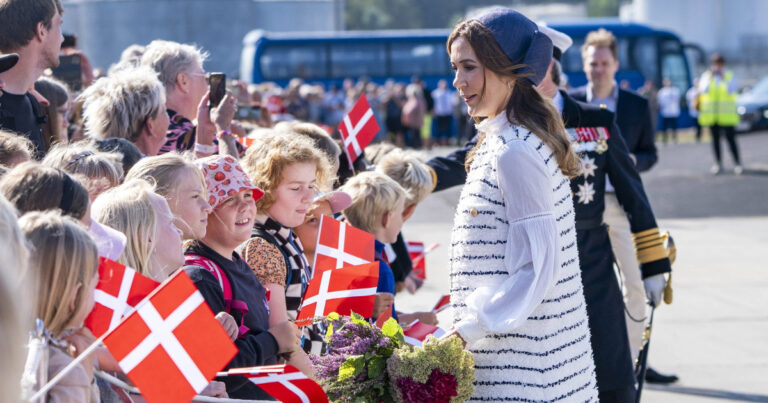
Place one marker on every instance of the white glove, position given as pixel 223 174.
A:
pixel 654 288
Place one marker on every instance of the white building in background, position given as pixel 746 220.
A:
pixel 735 28
pixel 105 27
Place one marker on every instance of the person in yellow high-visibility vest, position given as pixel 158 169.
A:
pixel 717 110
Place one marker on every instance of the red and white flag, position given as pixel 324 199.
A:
pixel 347 290
pixel 357 129
pixel 171 346
pixel 417 332
pixel 418 253
pixel 442 304
pixel 119 289
pixel 283 382
pixel 342 245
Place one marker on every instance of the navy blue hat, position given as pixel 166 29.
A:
pixel 521 41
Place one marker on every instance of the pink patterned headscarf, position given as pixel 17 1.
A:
pixel 224 178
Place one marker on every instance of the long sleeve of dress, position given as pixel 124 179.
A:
pixel 531 251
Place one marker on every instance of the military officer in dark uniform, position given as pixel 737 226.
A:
pixel 603 152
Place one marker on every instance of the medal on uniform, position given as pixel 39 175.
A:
pixel 601 146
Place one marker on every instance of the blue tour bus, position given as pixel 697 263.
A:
pixel 330 57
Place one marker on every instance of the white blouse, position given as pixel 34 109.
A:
pixel 532 243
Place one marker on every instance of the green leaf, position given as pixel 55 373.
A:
pixel 376 367
pixel 356 318
pixel 351 367
pixel 391 328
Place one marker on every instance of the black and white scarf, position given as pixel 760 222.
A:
pixel 301 273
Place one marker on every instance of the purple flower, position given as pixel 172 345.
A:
pixel 440 387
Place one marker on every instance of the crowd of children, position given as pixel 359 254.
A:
pixel 253 220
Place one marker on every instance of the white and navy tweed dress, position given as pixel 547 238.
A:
pixel 546 357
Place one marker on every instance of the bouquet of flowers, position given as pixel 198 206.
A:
pixel 355 368
pixel 440 371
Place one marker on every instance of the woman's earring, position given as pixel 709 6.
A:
pixel 509 85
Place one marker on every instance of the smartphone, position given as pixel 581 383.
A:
pixel 218 83
pixel 70 71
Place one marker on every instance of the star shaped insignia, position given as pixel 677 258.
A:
pixel 588 166
pixel 586 193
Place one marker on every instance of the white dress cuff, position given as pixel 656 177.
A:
pixel 469 329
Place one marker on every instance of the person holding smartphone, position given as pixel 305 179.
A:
pixel 195 122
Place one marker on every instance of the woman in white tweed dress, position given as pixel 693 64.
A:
pixel 515 282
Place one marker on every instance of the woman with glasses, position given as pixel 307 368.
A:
pixel 194 125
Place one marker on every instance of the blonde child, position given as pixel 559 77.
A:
pixel 154 243
pixel 101 170
pixel 153 246
pixel 378 204
pixel 181 183
pixel 419 180
pixel 291 171
pixel 63 276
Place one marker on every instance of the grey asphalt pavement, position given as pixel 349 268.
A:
pixel 715 334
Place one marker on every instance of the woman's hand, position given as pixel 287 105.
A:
pixel 229 324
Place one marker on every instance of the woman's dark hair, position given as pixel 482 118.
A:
pixel 526 106
pixel 34 187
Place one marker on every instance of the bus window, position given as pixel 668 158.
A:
pixel 645 57
pixel 419 59
pixel 673 64
pixel 285 61
pixel 358 59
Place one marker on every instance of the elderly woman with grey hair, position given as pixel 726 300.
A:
pixel 180 69
pixel 129 104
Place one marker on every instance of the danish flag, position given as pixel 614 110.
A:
pixel 283 382
pixel 357 129
pixel 171 346
pixel 341 291
pixel 119 289
pixel 342 245
pixel 417 332
pixel 418 253
pixel 442 304
pixel 246 141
